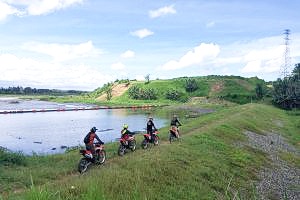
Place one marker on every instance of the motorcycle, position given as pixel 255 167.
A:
pixel 148 140
pixel 88 158
pixel 126 143
pixel 173 134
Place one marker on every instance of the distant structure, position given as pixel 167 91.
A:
pixel 286 66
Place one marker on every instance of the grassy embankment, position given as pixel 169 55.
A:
pixel 206 164
pixel 231 88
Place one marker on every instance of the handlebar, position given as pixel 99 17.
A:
pixel 95 143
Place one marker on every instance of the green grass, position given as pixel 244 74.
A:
pixel 206 164
pixel 233 88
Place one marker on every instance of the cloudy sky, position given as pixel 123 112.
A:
pixel 82 44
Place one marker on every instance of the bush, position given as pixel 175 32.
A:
pixel 8 158
pixel 176 95
pixel 136 92
pixel 191 85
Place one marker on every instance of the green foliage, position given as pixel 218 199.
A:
pixel 287 91
pixel 140 93
pixel 108 92
pixel 34 91
pixel 191 85
pixel 176 95
pixel 259 91
pixel 99 91
pixel 134 92
pixel 11 158
pixel 122 81
pixel 147 78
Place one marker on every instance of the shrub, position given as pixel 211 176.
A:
pixel 191 85
pixel 176 95
pixel 173 94
pixel 8 158
pixel 136 92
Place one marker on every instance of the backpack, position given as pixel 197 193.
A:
pixel 87 138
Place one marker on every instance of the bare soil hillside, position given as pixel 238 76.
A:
pixel 117 90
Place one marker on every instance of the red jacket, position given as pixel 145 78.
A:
pixel 91 138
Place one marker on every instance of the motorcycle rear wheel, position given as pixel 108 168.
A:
pixel 171 137
pixel 156 141
pixel 145 144
pixel 83 165
pixel 121 150
pixel 132 145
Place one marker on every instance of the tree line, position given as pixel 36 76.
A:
pixel 34 91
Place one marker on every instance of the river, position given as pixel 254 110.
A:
pixel 52 132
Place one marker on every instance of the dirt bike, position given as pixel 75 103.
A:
pixel 148 140
pixel 126 143
pixel 173 134
pixel 88 158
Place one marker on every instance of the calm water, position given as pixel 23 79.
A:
pixel 47 132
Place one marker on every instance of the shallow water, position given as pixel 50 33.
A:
pixel 50 132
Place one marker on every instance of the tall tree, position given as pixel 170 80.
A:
pixel 287 91
pixel 259 91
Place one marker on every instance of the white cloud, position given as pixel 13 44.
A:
pixel 210 24
pixel 6 10
pixel 63 52
pixel 118 66
pixel 140 77
pixel 142 33
pixel 30 72
pixel 47 6
pixel 128 54
pixel 33 7
pixel 264 60
pixel 162 11
pixel 198 56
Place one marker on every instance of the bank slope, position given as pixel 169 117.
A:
pixel 213 161
pixel 233 88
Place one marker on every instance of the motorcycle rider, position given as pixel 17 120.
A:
pixel 89 140
pixel 125 133
pixel 174 125
pixel 150 128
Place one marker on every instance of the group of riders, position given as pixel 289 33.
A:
pixel 125 133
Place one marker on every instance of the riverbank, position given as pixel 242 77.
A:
pixel 207 164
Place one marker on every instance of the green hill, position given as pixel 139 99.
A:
pixel 232 88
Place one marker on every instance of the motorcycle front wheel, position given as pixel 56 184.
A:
pixel 83 165
pixel 101 157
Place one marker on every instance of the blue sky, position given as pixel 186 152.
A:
pixel 82 44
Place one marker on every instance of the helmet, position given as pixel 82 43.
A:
pixel 150 118
pixel 125 126
pixel 94 129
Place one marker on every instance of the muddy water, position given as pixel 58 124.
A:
pixel 51 132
